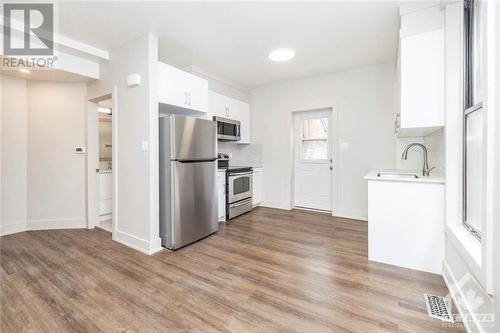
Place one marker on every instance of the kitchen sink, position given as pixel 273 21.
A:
pixel 396 175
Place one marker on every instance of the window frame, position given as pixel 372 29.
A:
pixel 469 106
pixel 325 139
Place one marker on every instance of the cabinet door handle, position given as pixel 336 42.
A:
pixel 185 98
pixel 189 98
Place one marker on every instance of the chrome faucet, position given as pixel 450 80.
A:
pixel 425 170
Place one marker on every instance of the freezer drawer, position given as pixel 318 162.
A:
pixel 238 208
pixel 194 201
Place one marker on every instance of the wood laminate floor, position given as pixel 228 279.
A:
pixel 267 271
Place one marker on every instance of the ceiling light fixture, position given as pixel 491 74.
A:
pixel 24 70
pixel 104 110
pixel 280 55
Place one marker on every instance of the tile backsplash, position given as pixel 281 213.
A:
pixel 435 153
pixel 242 154
pixel 435 147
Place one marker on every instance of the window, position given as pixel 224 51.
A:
pixel 472 120
pixel 314 139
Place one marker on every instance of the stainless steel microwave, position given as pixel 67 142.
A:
pixel 228 129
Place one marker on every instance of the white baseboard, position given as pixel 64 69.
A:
pixel 137 243
pixel 275 204
pixel 43 224
pixel 351 214
pixel 459 299
pixel 13 228
pixel 50 224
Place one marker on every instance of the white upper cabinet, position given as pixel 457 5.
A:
pixel 422 80
pixel 420 73
pixel 181 89
pixel 227 107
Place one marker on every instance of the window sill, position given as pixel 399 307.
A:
pixel 468 246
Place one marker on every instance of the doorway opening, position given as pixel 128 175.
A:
pixel 313 160
pixel 105 111
pixel 101 171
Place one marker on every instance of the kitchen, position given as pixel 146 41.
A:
pixel 256 170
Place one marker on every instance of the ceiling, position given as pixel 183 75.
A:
pixel 232 39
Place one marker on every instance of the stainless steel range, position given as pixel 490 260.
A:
pixel 239 191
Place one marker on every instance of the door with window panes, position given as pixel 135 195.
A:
pixel 473 119
pixel 313 159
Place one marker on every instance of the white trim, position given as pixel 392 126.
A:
pixel 64 223
pixel 312 209
pixel 354 214
pixel 459 299
pixel 137 243
pixel 13 228
pixel 467 245
pixel 114 159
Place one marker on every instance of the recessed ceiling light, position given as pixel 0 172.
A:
pixel 281 55
pixel 24 70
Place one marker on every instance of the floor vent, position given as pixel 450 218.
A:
pixel 438 307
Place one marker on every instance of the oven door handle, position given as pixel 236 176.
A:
pixel 237 130
pixel 242 203
pixel 240 173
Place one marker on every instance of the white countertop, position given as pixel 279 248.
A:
pixel 433 178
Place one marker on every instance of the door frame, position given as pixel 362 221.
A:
pixel 92 194
pixel 333 156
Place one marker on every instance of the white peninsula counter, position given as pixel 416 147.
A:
pixel 406 219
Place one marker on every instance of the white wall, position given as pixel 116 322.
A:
pixel 43 180
pixel 364 106
pixel 135 120
pixel 56 174
pixel 13 154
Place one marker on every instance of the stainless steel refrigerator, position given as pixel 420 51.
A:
pixel 188 180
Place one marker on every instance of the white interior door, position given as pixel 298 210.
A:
pixel 313 159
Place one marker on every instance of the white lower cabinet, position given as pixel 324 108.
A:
pixel 257 186
pixel 221 198
pixel 406 224
pixel 105 193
